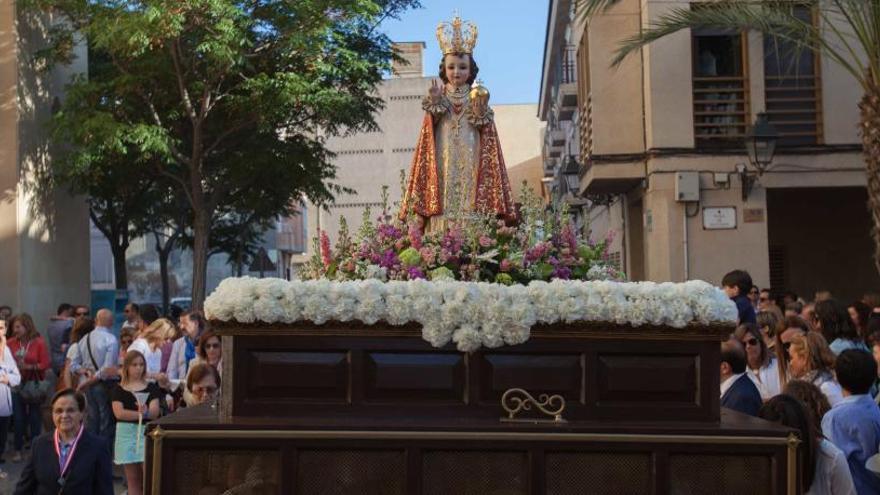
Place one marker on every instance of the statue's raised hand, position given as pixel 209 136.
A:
pixel 435 91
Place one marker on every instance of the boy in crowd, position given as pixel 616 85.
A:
pixel 853 424
pixel 736 285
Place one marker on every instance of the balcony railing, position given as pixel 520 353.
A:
pixel 720 111
pixel 793 108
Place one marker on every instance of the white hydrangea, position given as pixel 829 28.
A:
pixel 470 314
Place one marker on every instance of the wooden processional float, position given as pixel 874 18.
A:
pixel 580 407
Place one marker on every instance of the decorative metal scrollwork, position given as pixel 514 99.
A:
pixel 516 400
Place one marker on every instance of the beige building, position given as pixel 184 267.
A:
pixel 44 235
pixel 657 147
pixel 368 161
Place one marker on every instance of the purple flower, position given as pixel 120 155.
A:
pixel 388 231
pixel 388 259
pixel 415 272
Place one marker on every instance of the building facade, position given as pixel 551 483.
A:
pixel 44 232
pixel 369 162
pixel 657 144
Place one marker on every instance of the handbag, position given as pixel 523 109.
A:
pixel 34 390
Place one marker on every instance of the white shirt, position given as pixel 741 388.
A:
pixel 153 358
pixel 766 379
pixel 832 472
pixel 830 388
pixel 726 384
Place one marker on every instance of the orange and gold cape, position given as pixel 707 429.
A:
pixel 423 194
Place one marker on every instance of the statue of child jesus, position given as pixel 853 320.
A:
pixel 458 171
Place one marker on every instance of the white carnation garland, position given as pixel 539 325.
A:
pixel 471 314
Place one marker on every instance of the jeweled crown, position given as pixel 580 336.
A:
pixel 457 36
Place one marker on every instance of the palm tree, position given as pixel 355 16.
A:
pixel 846 32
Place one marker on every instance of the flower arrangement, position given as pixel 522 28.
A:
pixel 470 314
pixel 544 245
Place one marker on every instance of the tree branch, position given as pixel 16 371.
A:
pixel 184 93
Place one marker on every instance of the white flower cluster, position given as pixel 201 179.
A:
pixel 471 314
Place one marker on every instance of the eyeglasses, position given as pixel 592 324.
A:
pixel 197 390
pixel 753 292
pixel 751 342
pixel 212 346
pixel 82 313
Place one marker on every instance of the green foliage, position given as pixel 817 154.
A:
pixel 228 100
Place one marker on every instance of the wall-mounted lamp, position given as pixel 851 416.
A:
pixel 760 143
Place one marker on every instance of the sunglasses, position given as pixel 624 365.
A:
pixel 763 299
pixel 212 346
pixel 751 342
pixel 82 313
pixel 786 346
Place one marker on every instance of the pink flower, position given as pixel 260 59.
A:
pixel 326 259
pixel 399 244
pixel 444 256
pixel 428 255
pixel 505 265
pixel 415 236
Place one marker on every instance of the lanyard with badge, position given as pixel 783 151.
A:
pixel 66 464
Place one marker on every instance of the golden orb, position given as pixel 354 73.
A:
pixel 479 92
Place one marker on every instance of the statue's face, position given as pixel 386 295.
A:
pixel 458 69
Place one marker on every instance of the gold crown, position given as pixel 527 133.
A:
pixel 457 36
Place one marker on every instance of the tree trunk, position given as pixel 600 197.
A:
pixel 120 269
pixel 870 113
pixel 164 254
pixel 201 230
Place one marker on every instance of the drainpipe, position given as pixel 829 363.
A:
pixel 685 244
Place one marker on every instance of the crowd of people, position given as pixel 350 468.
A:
pixel 95 387
pixel 813 366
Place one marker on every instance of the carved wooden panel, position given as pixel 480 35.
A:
pixel 400 376
pixel 539 373
pixel 296 376
pixel 599 378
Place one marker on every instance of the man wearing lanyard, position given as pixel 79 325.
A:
pixel 97 361
pixel 83 460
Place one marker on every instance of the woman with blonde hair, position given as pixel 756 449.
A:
pixel 811 360
pixel 131 415
pixel 149 344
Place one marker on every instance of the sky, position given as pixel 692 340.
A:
pixel 510 43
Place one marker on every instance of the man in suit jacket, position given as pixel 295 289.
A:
pixel 90 471
pixel 737 390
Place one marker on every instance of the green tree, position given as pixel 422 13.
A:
pixel 228 95
pixel 846 32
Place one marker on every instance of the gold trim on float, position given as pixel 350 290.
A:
pixel 791 468
pixel 157 434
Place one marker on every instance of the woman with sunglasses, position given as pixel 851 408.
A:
pixel 209 353
pixel 762 367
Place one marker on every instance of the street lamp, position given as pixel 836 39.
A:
pixel 760 145
pixel 571 175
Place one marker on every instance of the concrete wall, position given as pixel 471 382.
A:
pixel 617 98
pixel 44 241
